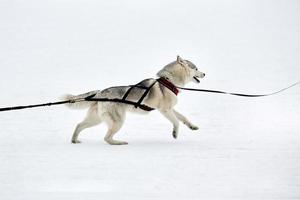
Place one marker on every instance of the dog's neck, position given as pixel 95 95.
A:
pixel 173 80
pixel 165 82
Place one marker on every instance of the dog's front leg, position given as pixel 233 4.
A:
pixel 170 115
pixel 184 120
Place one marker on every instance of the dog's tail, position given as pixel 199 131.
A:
pixel 80 104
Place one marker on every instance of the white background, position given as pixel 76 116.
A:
pixel 244 149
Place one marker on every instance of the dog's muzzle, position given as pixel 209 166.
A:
pixel 197 77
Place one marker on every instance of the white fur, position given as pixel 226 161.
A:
pixel 178 72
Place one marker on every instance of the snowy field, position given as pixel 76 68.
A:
pixel 245 148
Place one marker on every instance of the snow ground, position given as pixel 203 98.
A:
pixel 245 148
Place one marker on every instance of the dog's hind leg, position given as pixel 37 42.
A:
pixel 114 123
pixel 92 119
pixel 184 120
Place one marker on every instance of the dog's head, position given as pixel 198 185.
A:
pixel 181 72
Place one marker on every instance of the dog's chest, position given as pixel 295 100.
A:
pixel 169 99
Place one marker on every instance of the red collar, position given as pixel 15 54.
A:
pixel 168 85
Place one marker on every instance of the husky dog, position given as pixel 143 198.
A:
pixel 159 97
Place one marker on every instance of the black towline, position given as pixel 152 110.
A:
pixel 138 104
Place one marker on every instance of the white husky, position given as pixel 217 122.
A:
pixel 161 96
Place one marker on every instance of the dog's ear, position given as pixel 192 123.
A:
pixel 180 60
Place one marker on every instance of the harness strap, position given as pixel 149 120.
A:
pixel 141 106
pixel 127 92
pixel 144 95
pixel 123 100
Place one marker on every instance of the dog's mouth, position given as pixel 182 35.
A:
pixel 196 79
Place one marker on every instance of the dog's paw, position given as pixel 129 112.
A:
pixel 123 143
pixel 76 141
pixel 193 127
pixel 116 142
pixel 175 134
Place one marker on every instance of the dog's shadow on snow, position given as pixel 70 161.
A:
pixel 140 143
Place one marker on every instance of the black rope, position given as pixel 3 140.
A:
pixel 239 94
pixel 35 105
pixel 91 98
pixel 46 104
pixel 138 104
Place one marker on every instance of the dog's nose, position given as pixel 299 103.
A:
pixel 203 74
